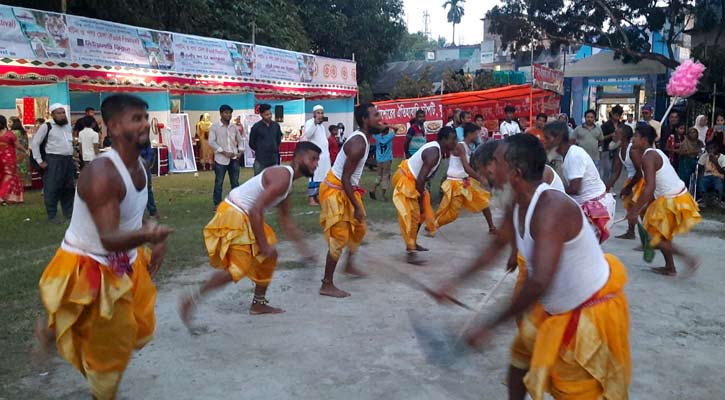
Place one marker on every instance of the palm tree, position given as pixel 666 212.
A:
pixel 455 13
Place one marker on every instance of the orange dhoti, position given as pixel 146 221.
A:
pixel 583 353
pixel 232 246
pixel 637 191
pixel 407 201
pixel 669 216
pixel 99 317
pixel 628 201
pixel 460 193
pixel 337 217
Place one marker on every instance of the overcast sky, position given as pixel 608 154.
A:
pixel 469 31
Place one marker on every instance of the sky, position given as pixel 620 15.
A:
pixel 469 31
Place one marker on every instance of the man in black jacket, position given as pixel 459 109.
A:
pixel 265 138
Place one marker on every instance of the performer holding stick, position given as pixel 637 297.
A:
pixel 239 242
pixel 572 302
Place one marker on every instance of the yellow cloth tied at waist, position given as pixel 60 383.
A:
pixel 99 317
pixel 335 206
pixel 460 193
pixel 637 190
pixel 628 200
pixel 670 216
pixel 589 359
pixel 405 199
pixel 231 245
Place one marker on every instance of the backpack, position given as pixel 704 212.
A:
pixel 34 163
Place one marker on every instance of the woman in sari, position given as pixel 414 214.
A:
pixel 11 190
pixel 21 157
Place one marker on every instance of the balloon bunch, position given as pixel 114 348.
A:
pixel 683 82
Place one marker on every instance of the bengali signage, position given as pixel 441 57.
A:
pixel 181 151
pixel 549 79
pixel 398 114
pixel 32 34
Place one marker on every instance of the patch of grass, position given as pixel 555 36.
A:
pixel 184 202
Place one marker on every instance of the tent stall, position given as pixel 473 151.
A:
pixel 77 61
pixel 489 103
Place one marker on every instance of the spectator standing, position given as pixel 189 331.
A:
pixel 605 153
pixel 648 117
pixel 701 128
pixel 88 119
pixel 689 150
pixel 415 138
pixel 673 144
pixel 465 118
pixel 22 152
pixel 333 143
pixel 52 147
pixel 88 139
pixel 147 158
pixel 265 137
pixel 716 134
pixel 11 190
pixel 509 126
pixel 384 156
pixel 714 164
pixel 673 120
pixel 538 128
pixel 316 133
pixel 589 136
pixel 568 121
pixel 226 141
pixel 483 133
pixel 630 121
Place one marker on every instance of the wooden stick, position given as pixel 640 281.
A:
pixel 482 304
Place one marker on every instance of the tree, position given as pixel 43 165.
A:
pixel 365 93
pixel 483 79
pixel 371 30
pixel 455 13
pixel 413 46
pixel 624 26
pixel 707 38
pixel 456 81
pixel 408 87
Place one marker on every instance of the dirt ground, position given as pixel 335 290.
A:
pixel 364 347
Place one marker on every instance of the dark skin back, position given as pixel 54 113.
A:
pixel 430 156
pixel 651 163
pixel 354 149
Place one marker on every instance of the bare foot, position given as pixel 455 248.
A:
pixel 259 308
pixel 428 233
pixel 412 258
pixel 44 335
pixel 626 235
pixel 352 271
pixel 313 203
pixel 692 264
pixel 187 305
pixel 664 271
pixel 420 248
pixel 328 289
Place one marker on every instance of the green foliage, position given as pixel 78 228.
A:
pixel 413 46
pixel 623 26
pixel 455 13
pixel 365 92
pixel 408 87
pixel 457 81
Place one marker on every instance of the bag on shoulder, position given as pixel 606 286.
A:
pixel 34 163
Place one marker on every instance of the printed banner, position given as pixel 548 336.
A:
pixel 493 111
pixel 181 151
pixel 32 34
pixel 286 65
pixel 549 79
pixel 399 114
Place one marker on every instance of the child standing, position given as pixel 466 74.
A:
pixel 384 156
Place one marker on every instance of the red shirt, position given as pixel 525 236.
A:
pixel 333 147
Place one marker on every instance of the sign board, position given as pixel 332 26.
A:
pixel 40 35
pixel 181 151
pixel 398 114
pixel 549 79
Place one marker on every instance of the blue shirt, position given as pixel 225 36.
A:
pixel 459 132
pixel 384 146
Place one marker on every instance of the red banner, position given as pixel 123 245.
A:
pixel 399 113
pixel 493 110
pixel 549 79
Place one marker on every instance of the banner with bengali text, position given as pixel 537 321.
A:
pixel 40 35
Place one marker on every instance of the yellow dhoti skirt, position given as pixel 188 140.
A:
pixel 670 216
pixel 582 354
pixel 231 245
pixel 99 317
pixel 466 193
pixel 406 201
pixel 522 274
pixel 637 190
pixel 629 201
pixel 337 217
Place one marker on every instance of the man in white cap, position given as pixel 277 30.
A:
pixel 53 151
pixel 316 133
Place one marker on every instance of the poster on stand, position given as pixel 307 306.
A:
pixel 181 151
pixel 249 120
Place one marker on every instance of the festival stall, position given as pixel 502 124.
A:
pixel 489 103
pixel 77 61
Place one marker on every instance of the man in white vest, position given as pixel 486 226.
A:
pixel 316 133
